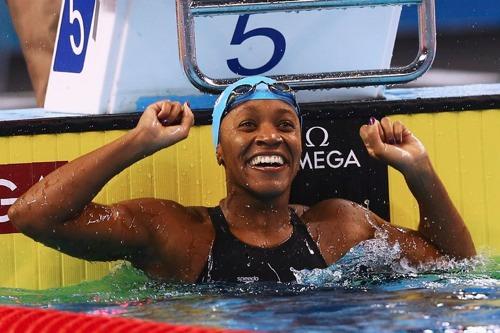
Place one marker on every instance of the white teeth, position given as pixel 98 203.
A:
pixel 267 159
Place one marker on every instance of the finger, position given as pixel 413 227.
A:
pixel 375 122
pixel 181 131
pixel 388 129
pixel 175 113
pixel 371 136
pixel 407 133
pixel 398 131
pixel 165 107
pixel 155 107
pixel 187 117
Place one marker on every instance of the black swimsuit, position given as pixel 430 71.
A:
pixel 231 260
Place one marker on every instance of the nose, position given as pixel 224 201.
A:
pixel 268 135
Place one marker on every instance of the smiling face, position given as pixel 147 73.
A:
pixel 260 147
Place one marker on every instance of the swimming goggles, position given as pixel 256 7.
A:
pixel 241 93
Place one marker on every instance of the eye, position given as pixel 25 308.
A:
pixel 286 125
pixel 247 124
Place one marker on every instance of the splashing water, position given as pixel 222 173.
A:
pixel 372 259
pixel 376 260
pixel 371 289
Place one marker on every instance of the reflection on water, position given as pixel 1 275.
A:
pixel 367 290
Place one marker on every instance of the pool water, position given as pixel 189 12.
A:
pixel 369 290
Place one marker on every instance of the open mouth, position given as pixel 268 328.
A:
pixel 267 161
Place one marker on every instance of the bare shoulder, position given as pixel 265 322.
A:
pixel 167 211
pixel 180 238
pixel 337 225
pixel 338 215
pixel 335 211
pixel 162 220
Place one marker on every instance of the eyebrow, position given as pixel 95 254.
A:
pixel 287 110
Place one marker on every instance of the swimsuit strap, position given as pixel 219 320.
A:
pixel 294 218
pixel 221 229
pixel 218 220
pixel 301 227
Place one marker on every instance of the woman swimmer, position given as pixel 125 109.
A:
pixel 253 235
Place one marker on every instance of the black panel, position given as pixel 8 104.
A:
pixel 335 164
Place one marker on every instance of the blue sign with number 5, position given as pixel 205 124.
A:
pixel 74 35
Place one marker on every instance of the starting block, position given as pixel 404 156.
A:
pixel 118 56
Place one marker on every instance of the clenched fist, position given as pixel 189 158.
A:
pixel 163 124
pixel 393 143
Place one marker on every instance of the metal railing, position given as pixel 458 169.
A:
pixel 187 10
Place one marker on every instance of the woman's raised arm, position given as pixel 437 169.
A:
pixel 440 223
pixel 59 212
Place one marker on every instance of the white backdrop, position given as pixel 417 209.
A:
pixel 128 55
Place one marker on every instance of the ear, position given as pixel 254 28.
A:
pixel 218 155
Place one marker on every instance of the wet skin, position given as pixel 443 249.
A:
pixel 172 242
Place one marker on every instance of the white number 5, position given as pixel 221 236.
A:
pixel 76 15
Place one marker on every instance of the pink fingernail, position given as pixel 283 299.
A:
pixel 372 120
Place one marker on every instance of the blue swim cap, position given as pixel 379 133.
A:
pixel 262 91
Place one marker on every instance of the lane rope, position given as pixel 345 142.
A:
pixel 22 319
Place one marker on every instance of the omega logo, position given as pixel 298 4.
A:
pixel 322 159
pixel 7 201
pixel 323 143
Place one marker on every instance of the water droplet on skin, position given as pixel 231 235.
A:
pixel 379 232
pixel 367 203
pixel 132 223
pixel 309 248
